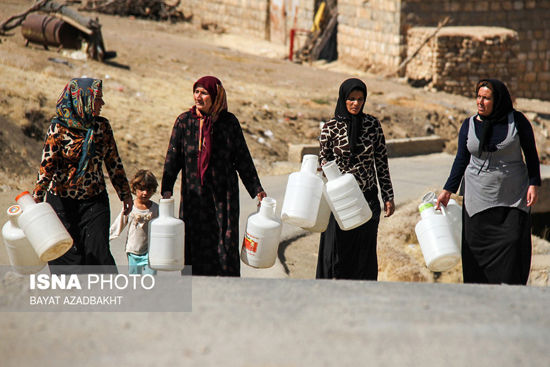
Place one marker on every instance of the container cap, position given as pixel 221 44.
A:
pixel 331 170
pixel 425 206
pixel 429 196
pixel 14 210
pixel 21 195
pixel 310 162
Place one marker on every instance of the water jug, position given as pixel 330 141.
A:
pixel 323 215
pixel 262 235
pixel 166 239
pixel 454 215
pixel 43 228
pixel 436 238
pixel 303 194
pixel 345 198
pixel 23 258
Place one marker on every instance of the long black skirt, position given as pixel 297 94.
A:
pixel 87 221
pixel 348 254
pixel 496 246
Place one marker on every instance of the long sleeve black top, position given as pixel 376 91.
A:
pixel 527 142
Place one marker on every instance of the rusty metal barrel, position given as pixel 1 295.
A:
pixel 50 31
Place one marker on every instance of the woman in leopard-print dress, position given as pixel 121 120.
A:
pixel 71 179
pixel 356 142
pixel 208 147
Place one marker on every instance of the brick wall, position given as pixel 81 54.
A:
pixel 457 57
pixel 369 34
pixel 529 18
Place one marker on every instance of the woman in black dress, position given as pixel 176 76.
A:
pixel 208 147
pixel 356 141
pixel 497 157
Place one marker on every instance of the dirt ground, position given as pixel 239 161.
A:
pixel 149 84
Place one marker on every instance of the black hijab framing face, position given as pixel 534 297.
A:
pixel 341 112
pixel 502 106
pixel 502 102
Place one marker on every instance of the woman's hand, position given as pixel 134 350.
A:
pixel 260 196
pixel 443 198
pixel 166 195
pixel 389 208
pixel 128 204
pixel 532 195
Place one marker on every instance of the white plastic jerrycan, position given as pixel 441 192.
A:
pixel 43 228
pixel 303 194
pixel 454 215
pixel 262 236
pixel 166 239
pixel 21 254
pixel 436 238
pixel 345 198
pixel 453 212
pixel 323 215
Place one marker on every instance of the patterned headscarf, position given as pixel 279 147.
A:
pixel 74 110
pixel 219 103
pixel 341 112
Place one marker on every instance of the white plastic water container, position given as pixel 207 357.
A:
pixel 303 194
pixel 43 228
pixel 436 238
pixel 323 215
pixel 21 254
pixel 166 239
pixel 454 215
pixel 262 236
pixel 345 198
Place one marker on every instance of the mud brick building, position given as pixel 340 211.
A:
pixel 374 34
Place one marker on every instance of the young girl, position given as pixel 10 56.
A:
pixel 143 186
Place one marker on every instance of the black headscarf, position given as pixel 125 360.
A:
pixel 502 106
pixel 341 112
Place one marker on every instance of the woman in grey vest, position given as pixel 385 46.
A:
pixel 500 187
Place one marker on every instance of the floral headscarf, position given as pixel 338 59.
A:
pixel 75 108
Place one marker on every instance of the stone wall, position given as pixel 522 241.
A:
pixel 300 14
pixel 372 34
pixel 457 57
pixel 253 17
pixel 529 18
pixel 369 34
pixel 235 16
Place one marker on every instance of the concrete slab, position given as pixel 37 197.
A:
pixel 396 147
pixel 274 322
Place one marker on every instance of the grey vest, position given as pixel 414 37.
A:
pixel 495 178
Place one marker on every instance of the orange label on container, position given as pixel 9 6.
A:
pixel 250 243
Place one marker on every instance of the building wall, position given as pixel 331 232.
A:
pixel 372 34
pixel 529 18
pixel 369 34
pixel 235 16
pixel 457 57
pixel 252 17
